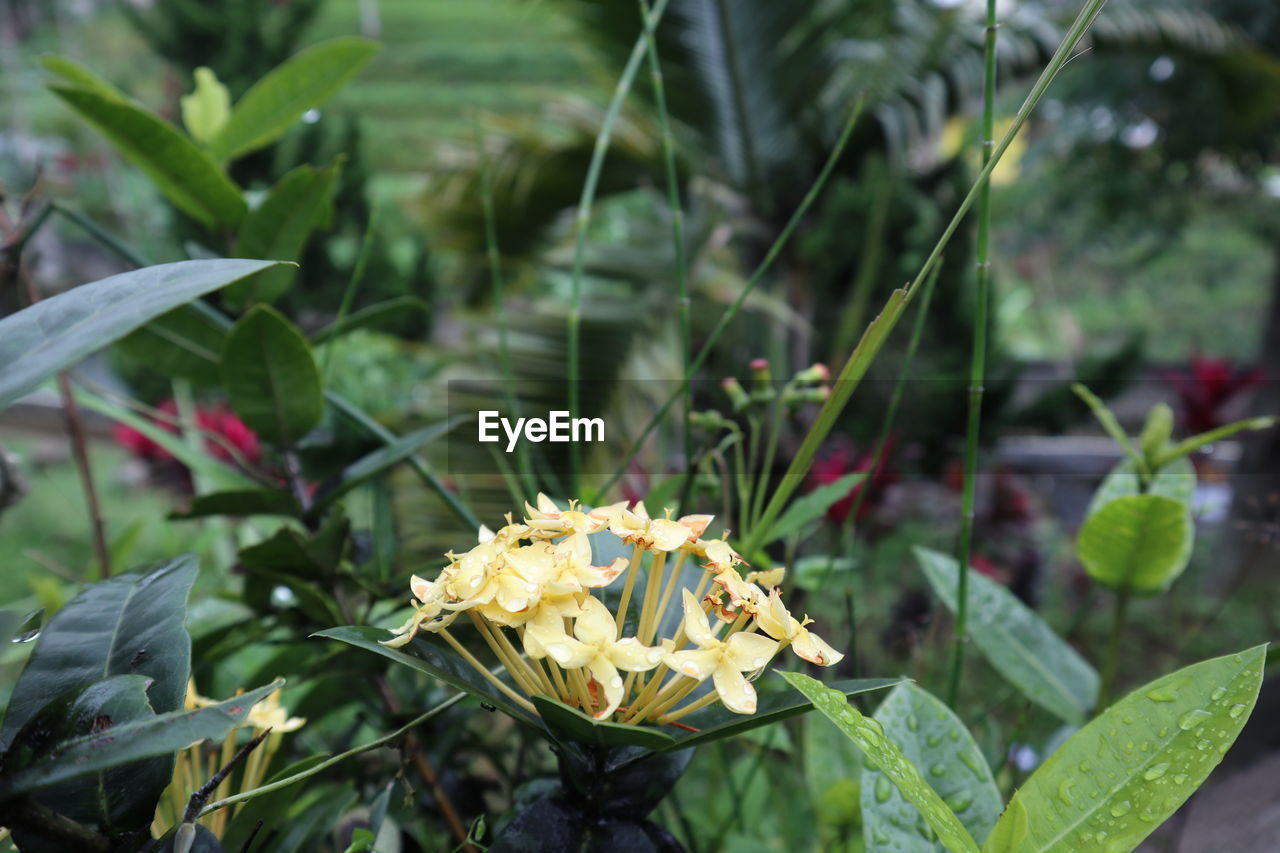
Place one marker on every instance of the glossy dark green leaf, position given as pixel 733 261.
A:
pixel 307 555
pixel 57 332
pixel 1139 542
pixel 435 658
pixel 242 503
pixel 933 739
pixel 268 808
pixel 177 166
pixel 881 752
pixel 1118 778
pixel 375 463
pixel 279 99
pixel 810 507
pixel 183 343
pixel 279 228
pixel 1017 642
pixel 371 316
pixel 1176 480
pixel 136 739
pixel 717 722
pixel 271 377
pixel 130 624
pixel 570 724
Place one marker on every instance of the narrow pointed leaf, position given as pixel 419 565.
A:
pixel 57 332
pixel 184 344
pixel 177 166
pixel 1190 445
pixel 1017 642
pixel 571 725
pixel 371 316
pixel 1138 542
pixel 78 75
pixel 1117 779
pixel 811 507
pixel 278 100
pixel 883 754
pixel 242 502
pixel 271 377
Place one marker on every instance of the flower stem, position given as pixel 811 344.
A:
pixel 627 588
pixel 485 673
pixel 696 705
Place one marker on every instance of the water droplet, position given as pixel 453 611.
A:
pixel 1128 746
pixel 29 629
pixel 1161 694
pixel 879 837
pixel 1180 778
pixel 1128 720
pixel 1155 771
pixel 912 723
pixel 973 762
pixel 1164 731
pixel 926 831
pixel 959 801
pixel 884 789
pixel 1237 710
pixel 1193 718
pixel 938 770
pixel 1064 791
pixel 1218 693
pixel 1203 744
pixel 933 740
pixel 1121 808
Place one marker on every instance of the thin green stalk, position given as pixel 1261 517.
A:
pixel 676 211
pixel 869 258
pixel 523 462
pixel 770 452
pixel 978 364
pixel 584 219
pixel 1118 622
pixel 866 350
pixel 353 284
pixel 732 311
pixel 324 765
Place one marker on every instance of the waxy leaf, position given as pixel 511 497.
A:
pixel 55 333
pixel 139 738
pixel 1017 642
pixel 1176 480
pixel 810 507
pixel 372 315
pixel 571 725
pixel 933 739
pixel 1140 543
pixel 279 227
pixel 130 624
pixel 183 343
pixel 78 75
pixel 271 377
pixel 242 502
pixel 279 99
pixel 1117 779
pixel 880 752
pixel 175 164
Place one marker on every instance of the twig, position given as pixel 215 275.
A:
pixel 248 842
pixel 196 804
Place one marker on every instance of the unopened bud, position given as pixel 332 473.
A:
pixel 737 395
pixel 817 373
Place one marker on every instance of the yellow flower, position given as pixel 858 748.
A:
pixel 635 527
pixel 549 520
pixel 768 579
pixel 774 619
pixel 724 660
pixel 270 714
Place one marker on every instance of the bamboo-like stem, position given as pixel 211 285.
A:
pixel 695 705
pixel 977 365
pixel 583 220
pixel 485 673
pixel 861 358
pixel 726 318
pixel 632 570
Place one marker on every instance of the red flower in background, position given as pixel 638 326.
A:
pixel 231 434
pixel 844 458
pixel 1205 390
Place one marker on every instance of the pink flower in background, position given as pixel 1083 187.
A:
pixel 844 458
pixel 1206 389
pixel 217 420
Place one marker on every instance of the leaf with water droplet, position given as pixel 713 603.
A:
pixel 1149 784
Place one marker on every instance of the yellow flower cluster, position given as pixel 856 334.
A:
pixel 538 601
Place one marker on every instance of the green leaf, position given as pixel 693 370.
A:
pixel 373 315
pixel 268 808
pixel 160 734
pixel 811 507
pixel 1010 832
pixel 1190 445
pixel 242 503
pixel 1017 642
pixel 809 573
pixel 1109 423
pixel 271 377
pixel 717 722
pixel 880 752
pixel 176 165
pixel 832 773
pixel 184 344
pixel 206 110
pixel 130 624
pixel 279 227
pixel 279 99
pixel 1140 542
pixel 1175 479
pixel 1117 779
pixel 77 75
pixel 297 553
pixel 432 656
pixel 1155 433
pixel 55 333
pixel 371 465
pixel 931 737
pixel 573 726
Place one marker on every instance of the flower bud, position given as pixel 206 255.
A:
pixel 737 395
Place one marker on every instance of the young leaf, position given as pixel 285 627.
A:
pixel 883 754
pixel 55 333
pixel 1140 542
pixel 77 75
pixel 1117 779
pixel 811 507
pixel 931 736
pixel 1155 433
pixel 205 110
pixel 176 165
pixel 279 99
pixel 271 377
pixel 1175 479
pixel 1110 424
pixel 1190 445
pixel 279 228
pixel 130 624
pixel 1017 642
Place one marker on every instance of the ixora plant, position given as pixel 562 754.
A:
pixel 623 691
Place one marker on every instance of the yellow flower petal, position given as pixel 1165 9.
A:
pixel 814 649
pixel 695 663
pixel 606 675
pixel 736 692
pixel 595 625
pixel 749 652
pixel 633 656
pixel 696 626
